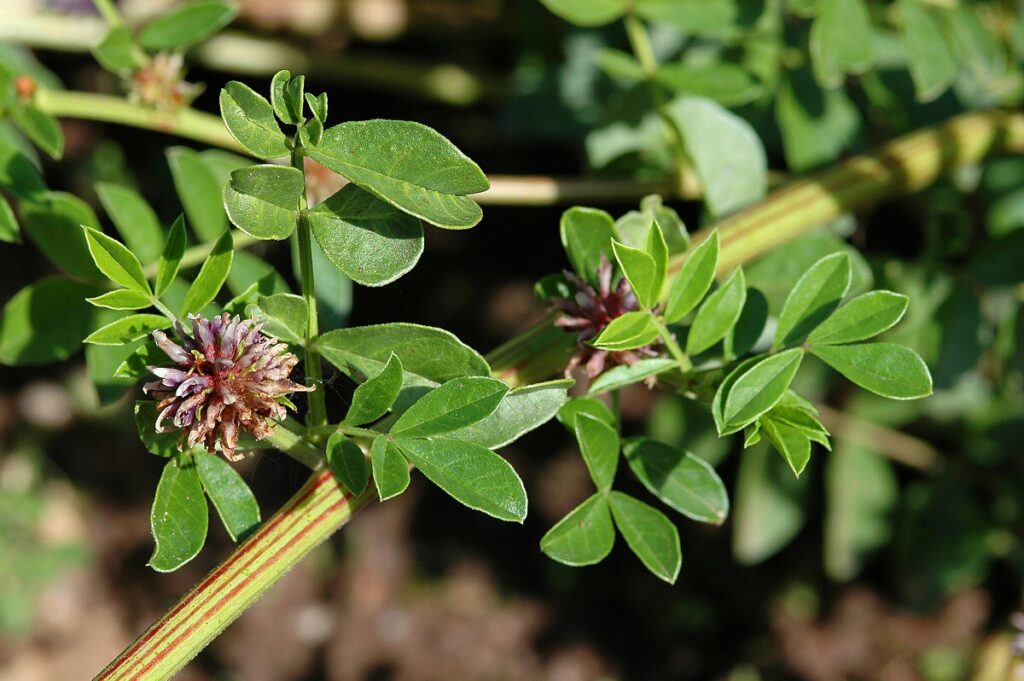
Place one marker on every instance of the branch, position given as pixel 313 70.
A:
pixel 898 446
pixel 903 165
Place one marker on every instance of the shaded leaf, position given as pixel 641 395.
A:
pixel 232 498
pixel 211 276
pixel 718 314
pixel 451 406
pixel 681 480
pixel 179 518
pixel 347 462
pixel 599 445
pixel 390 469
pixel 650 535
pixel 694 279
pixel 134 219
pixel 583 537
pixel 816 295
pixel 45 322
pixel 374 398
pixel 187 24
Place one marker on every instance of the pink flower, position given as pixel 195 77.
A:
pixel 589 311
pixel 229 377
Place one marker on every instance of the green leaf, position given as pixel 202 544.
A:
pixel 45 322
pixel 134 219
pixel 200 192
pixel 886 369
pixel 249 118
pixel 170 257
pixel 117 51
pixel 453 405
pixel 585 405
pixel 583 537
pixel 623 375
pixel 862 492
pixel 211 276
pixel 264 200
pixel 286 316
pixel 40 127
pixel 717 18
pixel 728 84
pixel 521 410
pixel 619 65
pixel 347 462
pixel 681 480
pixel 117 262
pixel 769 506
pixel 587 235
pixel 932 66
pixel 641 271
pixel 816 296
pixel 599 445
pixel 657 248
pixel 8 223
pixel 232 498
pixel 160 444
pixel 792 443
pixel 54 222
pixel 187 25
pixel 122 299
pixel 179 518
pixel 374 398
pixel 816 125
pixel 791 426
pixel 727 154
pixel 18 174
pixel 422 173
pixel 318 105
pixel 627 332
pixel 369 240
pixel 127 329
pixel 588 12
pixel 137 364
pixel 719 313
pixel 102 361
pixel 471 474
pixel 429 356
pixel 390 469
pixel 286 96
pixel 718 402
pixel 634 227
pixel 759 389
pixel 840 40
pixel 749 326
pixel 649 534
pixel 694 279
pixel 976 46
pixel 862 318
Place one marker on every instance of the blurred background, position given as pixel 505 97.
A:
pixel 898 557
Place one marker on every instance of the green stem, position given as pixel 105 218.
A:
pixel 109 12
pixel 198 254
pixel 164 310
pixel 669 339
pixel 187 123
pixel 317 414
pixel 350 431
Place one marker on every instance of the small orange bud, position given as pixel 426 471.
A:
pixel 25 86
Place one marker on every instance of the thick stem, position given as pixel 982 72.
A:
pixel 315 512
pixel 317 414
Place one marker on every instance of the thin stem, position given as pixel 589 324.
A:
pixel 641 44
pixel 317 414
pixel 669 339
pixel 164 310
pixel 198 254
pixel 109 12
pixel 350 431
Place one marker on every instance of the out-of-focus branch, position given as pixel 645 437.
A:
pixel 898 446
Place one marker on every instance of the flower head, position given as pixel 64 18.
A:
pixel 229 377
pixel 589 311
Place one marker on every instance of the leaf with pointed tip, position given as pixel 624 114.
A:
pixel 586 235
pixel 623 375
pixel 122 299
pixel 816 295
pixel 286 316
pixel 627 332
pixel 694 279
pixel 53 221
pixel 45 322
pixel 583 537
pixel 453 405
pixel 649 534
pixel 599 445
pixel 117 262
pixel 792 443
pixel 929 55
pixel 187 25
pixel 40 127
pixel 369 240
pixel 840 40
pixel 886 369
pixel 347 462
pixel 232 498
pixel 170 257
pixel 862 318
pixel 200 192
pixel 134 219
pixel 521 410
pixel 286 96
pixel 249 118
pixel 749 326
pixel 585 405
pixel 681 480
pixel 759 388
pixel 180 518
pixel 263 200
pixel 211 276
pixel 640 270
pixel 422 173
pixel 471 474
pixel 128 329
pixel 718 314
pixel 390 469
pixel 374 398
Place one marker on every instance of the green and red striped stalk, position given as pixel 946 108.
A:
pixel 321 506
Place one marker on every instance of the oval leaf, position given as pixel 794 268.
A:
pixel 128 329
pixel 816 295
pixel 521 410
pixel 631 330
pixel 862 318
pixel 886 369
pixel 263 201
pixel 759 389
pixel 599 445
pixel 374 398
pixel 170 257
pixel 623 375
pixel 250 120
pixel 694 279
pixel 681 480
pixel 232 498
pixel 211 276
pixel 347 462
pixel 117 262
pixel 179 519
pixel 134 219
pixel 719 313
pixel 187 25
pixel 455 404
pixel 583 537
pixel 390 469
pixel 45 322
pixel 649 534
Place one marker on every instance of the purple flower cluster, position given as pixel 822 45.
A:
pixel 589 311
pixel 229 377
